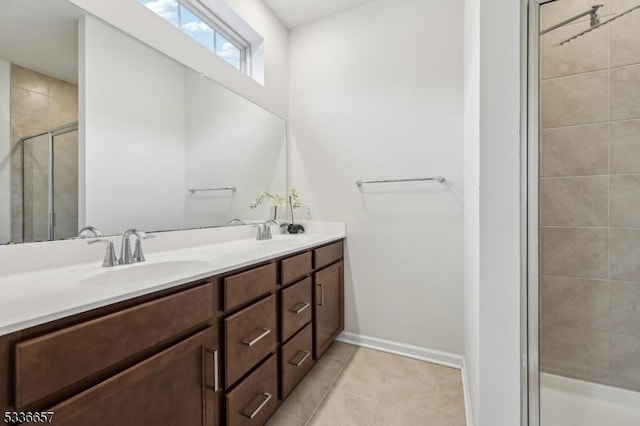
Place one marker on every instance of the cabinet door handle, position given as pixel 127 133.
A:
pixel 263 333
pixel 300 307
pixel 321 294
pixel 260 407
pixel 304 358
pixel 216 371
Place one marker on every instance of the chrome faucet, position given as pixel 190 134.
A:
pixel 84 232
pixel 126 258
pixel 110 258
pixel 264 230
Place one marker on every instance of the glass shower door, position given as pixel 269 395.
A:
pixel 50 185
pixel 36 187
pixel 65 184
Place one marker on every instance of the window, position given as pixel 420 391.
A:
pixel 199 23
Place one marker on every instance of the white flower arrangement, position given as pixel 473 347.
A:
pixel 277 199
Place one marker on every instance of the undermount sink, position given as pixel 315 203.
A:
pixel 288 239
pixel 147 271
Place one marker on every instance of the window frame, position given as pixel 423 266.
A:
pixel 217 25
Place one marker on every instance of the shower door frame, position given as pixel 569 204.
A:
pixel 530 248
pixel 51 134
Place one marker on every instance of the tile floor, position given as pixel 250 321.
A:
pixel 364 387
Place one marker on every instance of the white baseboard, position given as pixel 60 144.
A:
pixel 467 394
pixel 424 354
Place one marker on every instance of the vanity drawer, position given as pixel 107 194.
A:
pixel 295 267
pixel 296 359
pixel 250 335
pixel 249 285
pixel 256 398
pixel 296 307
pixel 50 363
pixel 326 255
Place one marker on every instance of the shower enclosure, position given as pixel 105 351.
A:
pixel 49 180
pixel 584 212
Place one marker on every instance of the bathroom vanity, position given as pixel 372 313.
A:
pixel 224 348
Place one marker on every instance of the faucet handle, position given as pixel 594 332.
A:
pixel 267 228
pixel 110 258
pixel 260 234
pixel 138 254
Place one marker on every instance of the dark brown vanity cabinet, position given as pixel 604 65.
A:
pixel 329 296
pixel 150 361
pixel 176 387
pixel 220 351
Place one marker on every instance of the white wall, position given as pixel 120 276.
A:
pixel 492 148
pixel 471 161
pixel 376 92
pixel 5 152
pixel 134 19
pixel 230 142
pixel 134 133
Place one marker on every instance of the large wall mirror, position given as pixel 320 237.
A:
pixel 97 128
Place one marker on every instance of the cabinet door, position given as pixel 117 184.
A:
pixel 177 387
pixel 329 306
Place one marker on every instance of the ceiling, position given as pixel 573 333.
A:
pixel 41 35
pixel 294 13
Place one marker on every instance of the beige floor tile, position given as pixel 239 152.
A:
pixel 326 370
pixel 451 409
pixel 345 409
pixel 281 419
pixel 410 407
pixel 304 400
pixel 375 388
pixel 341 351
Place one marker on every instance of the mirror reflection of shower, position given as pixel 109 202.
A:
pixel 50 184
pixel 44 156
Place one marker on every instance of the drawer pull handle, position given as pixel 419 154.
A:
pixel 216 371
pixel 298 308
pixel 304 358
pixel 321 294
pixel 260 407
pixel 264 333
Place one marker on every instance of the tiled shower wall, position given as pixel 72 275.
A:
pixel 590 196
pixel 40 103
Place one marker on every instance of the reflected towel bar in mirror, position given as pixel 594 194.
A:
pixel 438 178
pixel 194 190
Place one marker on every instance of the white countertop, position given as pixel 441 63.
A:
pixel 28 299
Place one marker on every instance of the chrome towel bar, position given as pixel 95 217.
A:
pixel 230 188
pixel 440 179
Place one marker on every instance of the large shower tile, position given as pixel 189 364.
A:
pixel 575 151
pixel 625 92
pixel 625 369
pixel 577 252
pixel 577 99
pixel 625 308
pixel 575 302
pixel 624 200
pixel 625 146
pixel 624 248
pixel 574 201
pixel 625 33
pixel 574 352
pixel 587 53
